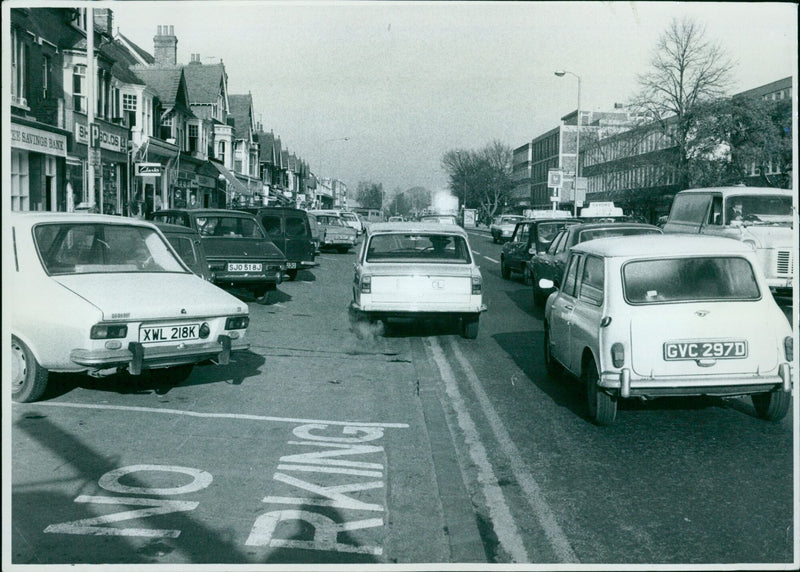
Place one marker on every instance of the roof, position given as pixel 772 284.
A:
pixel 424 227
pixel 739 190
pixel 207 212
pixel 240 110
pixel 596 225
pixel 662 246
pixel 165 81
pixel 204 82
pixel 122 62
pixel 143 54
pixel 35 217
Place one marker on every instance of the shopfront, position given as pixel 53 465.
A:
pixel 109 153
pixel 38 166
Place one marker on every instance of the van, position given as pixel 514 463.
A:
pixel 290 230
pixel 349 218
pixel 760 217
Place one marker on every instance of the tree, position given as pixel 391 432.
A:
pixel 370 195
pixel 480 178
pixel 686 70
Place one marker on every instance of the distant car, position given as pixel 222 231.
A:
pixel 186 242
pixel 652 316
pixel 316 231
pixel 503 227
pixel 349 218
pixel 110 295
pixel 551 263
pixel 238 251
pixel 337 235
pixel 290 230
pixel 530 237
pixel 395 219
pixel 417 269
pixel 440 219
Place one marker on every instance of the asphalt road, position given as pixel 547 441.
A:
pixel 410 446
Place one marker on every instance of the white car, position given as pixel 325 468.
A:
pixel 668 315
pixel 415 269
pixel 100 294
pixel 349 218
pixel 503 227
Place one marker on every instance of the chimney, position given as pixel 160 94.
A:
pixel 165 46
pixel 195 60
pixel 104 21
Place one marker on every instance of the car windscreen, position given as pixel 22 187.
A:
pixel 418 248
pixel 689 279
pixel 760 208
pixel 229 227
pixel 82 248
pixel 609 232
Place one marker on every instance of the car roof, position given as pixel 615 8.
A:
pixel 739 190
pixel 600 225
pixel 661 245
pixel 544 220
pixel 166 227
pixel 34 217
pixel 204 212
pixel 416 226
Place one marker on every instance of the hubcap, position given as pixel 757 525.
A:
pixel 19 367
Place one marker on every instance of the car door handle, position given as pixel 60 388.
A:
pixel 569 307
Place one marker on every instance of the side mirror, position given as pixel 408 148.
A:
pixel 546 284
pixel 532 250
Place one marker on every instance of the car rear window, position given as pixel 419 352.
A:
pixel 229 227
pixel 418 248
pixel 688 279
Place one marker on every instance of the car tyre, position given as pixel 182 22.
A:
pixel 772 406
pixel 494 238
pixel 469 326
pixel 505 271
pixel 552 365
pixel 602 406
pixel 292 274
pixel 174 375
pixel 28 378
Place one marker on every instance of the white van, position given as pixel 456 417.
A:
pixel 760 217
pixel 349 218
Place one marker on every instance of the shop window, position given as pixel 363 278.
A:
pixel 79 88
pixel 20 187
pixel 19 61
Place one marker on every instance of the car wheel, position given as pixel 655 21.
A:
pixel 469 326
pixel 602 406
pixel 505 272
pixel 292 274
pixel 527 277
pixel 772 406
pixel 28 378
pixel 494 238
pixel 171 375
pixel 553 367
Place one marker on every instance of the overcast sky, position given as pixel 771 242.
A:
pixel 406 82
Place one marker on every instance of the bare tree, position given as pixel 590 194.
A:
pixel 480 178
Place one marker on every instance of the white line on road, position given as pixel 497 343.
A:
pixel 504 526
pixel 475 252
pixel 239 416
pixel 533 493
pixel 492 260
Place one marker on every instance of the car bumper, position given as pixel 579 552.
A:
pixel 301 264
pixel 631 386
pixel 339 242
pixel 418 309
pixel 138 357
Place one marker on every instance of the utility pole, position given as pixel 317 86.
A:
pixel 90 101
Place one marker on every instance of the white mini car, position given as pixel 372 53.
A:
pixel 99 294
pixel 651 316
pixel 416 269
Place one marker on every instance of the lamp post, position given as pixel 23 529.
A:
pixel 319 154
pixel 562 73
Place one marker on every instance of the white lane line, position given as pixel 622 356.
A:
pixel 492 260
pixel 504 526
pixel 239 416
pixel 475 252
pixel 533 492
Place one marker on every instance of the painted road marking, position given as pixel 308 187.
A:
pixel 239 416
pixel 533 493
pixel 475 252
pixel 492 260
pixel 504 526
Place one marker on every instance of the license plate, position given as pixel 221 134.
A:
pixel 176 333
pixel 243 267
pixel 291 265
pixel 712 349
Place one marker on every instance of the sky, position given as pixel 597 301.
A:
pixel 380 91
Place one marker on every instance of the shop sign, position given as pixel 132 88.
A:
pixel 38 140
pixel 148 169
pixel 108 140
pixel 94 157
pixel 204 181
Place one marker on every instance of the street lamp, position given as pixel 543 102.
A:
pixel 562 73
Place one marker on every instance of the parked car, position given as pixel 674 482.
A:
pixel 652 316
pixel 289 229
pixel 417 269
pixel 439 218
pixel 110 294
pixel 349 218
pixel 238 251
pixel 530 237
pixel 763 222
pixel 503 227
pixel 395 219
pixel 316 232
pixel 337 235
pixel 551 263
pixel 186 242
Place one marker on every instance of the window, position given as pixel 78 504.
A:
pixel 570 277
pixel 592 280
pixel 45 77
pixel 20 190
pixel 194 138
pixel 166 128
pixel 272 224
pixel 129 105
pixel 221 151
pixel 554 245
pixel 19 61
pixel 79 88
pixel 434 248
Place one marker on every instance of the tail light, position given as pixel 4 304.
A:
pixel 476 284
pixel 237 323
pixel 618 355
pixel 108 331
pixel 788 347
pixel 366 284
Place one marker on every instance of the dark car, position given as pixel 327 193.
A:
pixel 530 238
pixel 290 230
pixel 186 241
pixel 238 251
pixel 550 264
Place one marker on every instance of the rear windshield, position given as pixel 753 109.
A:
pixel 687 279
pixel 229 227
pixel 609 232
pixel 418 248
pixel 330 220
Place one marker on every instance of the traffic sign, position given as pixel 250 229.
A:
pixel 94 157
pixel 555 178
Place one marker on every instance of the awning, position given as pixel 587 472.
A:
pixel 234 185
